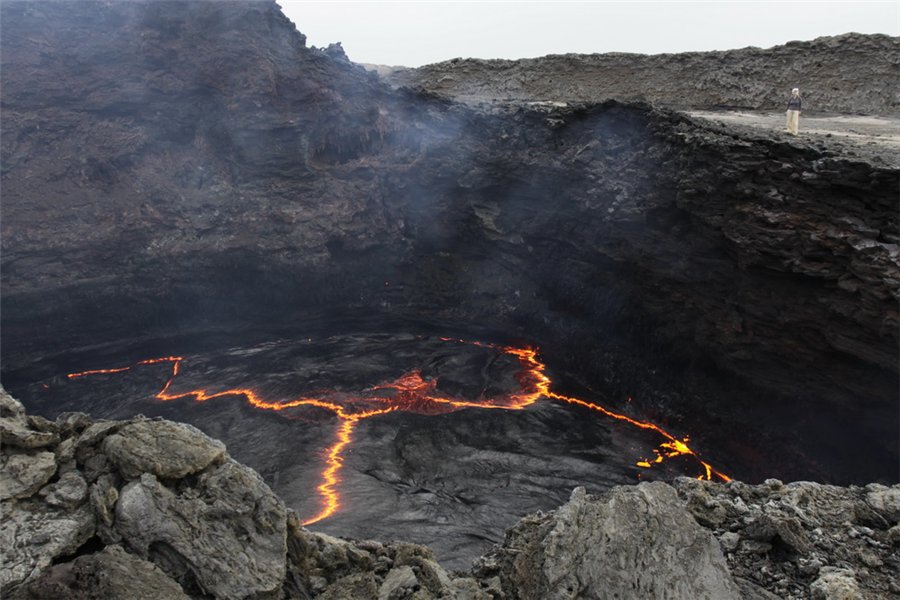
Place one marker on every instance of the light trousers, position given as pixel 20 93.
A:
pixel 793 121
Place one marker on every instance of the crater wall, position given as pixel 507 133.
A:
pixel 172 167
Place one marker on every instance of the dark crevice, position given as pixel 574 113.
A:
pixel 91 546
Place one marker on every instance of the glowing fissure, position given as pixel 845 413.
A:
pixel 414 393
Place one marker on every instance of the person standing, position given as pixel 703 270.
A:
pixel 793 112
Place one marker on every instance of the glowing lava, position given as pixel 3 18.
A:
pixel 412 392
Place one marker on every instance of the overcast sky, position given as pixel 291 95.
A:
pixel 417 33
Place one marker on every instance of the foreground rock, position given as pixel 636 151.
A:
pixel 803 539
pixel 115 520
pixel 155 509
pixel 110 573
pixel 596 549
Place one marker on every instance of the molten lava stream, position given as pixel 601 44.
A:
pixel 411 392
pixel 327 489
pixel 536 383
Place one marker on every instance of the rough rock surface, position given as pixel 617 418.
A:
pixel 33 536
pixel 41 522
pixel 17 431
pixel 168 450
pixel 221 533
pixel 184 530
pixel 109 574
pixel 24 474
pixel 850 73
pixel 591 548
pixel 804 539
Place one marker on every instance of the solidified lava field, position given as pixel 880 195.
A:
pixel 435 439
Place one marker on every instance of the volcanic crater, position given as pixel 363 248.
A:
pixel 420 319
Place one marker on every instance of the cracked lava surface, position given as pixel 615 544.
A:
pixel 411 392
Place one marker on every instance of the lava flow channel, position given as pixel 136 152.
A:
pixel 412 392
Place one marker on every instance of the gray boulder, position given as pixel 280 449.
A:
pixel 70 491
pixel 106 575
pixel 22 431
pixel 10 408
pixel 21 475
pixel 32 537
pixel 225 534
pixel 835 584
pixel 400 582
pixel 166 449
pixel 885 501
pixel 632 542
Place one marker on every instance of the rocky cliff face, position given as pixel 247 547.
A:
pixel 152 508
pixel 171 136
pixel 851 73
pixel 171 167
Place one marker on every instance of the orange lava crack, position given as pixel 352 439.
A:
pixel 413 393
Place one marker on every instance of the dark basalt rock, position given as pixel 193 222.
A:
pixel 850 73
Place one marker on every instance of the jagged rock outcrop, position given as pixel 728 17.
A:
pixel 166 450
pixel 592 549
pixel 850 73
pixel 804 539
pixel 224 535
pixel 217 531
pixel 42 529
pixel 155 509
pixel 105 575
